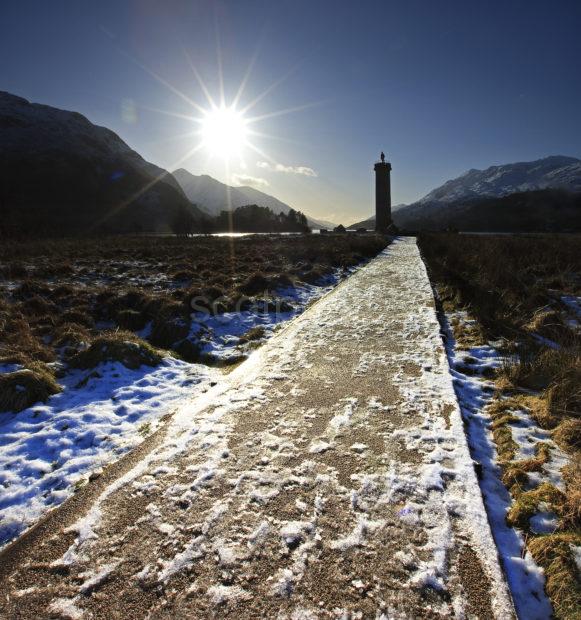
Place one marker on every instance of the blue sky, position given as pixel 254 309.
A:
pixel 441 87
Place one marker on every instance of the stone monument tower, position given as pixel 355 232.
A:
pixel 382 195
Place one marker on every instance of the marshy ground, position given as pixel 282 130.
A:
pixel 79 302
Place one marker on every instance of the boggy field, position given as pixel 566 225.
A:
pixel 513 306
pixel 76 303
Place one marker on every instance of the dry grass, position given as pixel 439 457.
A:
pixel 515 474
pixel 568 435
pixel 131 319
pixel 546 322
pixel 467 334
pixel 71 335
pixel 564 392
pixel 117 346
pixel 513 286
pixel 505 445
pixel 126 283
pixel 22 388
pixel 505 281
pixel 254 333
pixel 553 553
pixel 571 516
pixel 529 503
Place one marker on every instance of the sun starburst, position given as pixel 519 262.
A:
pixel 224 131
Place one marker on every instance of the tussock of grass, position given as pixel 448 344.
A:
pixel 500 412
pixel 568 435
pixel 37 305
pixel 80 316
pixel 131 319
pixel 312 276
pixel 31 288
pixel 283 280
pixel 571 515
pixel 507 418
pixel 553 552
pixel 22 388
pixel 17 336
pixel 564 393
pixel 166 332
pixel 189 351
pixel 119 346
pixel 528 504
pixel 515 474
pixel 546 322
pixel 254 333
pixel 555 370
pixel 255 284
pixel 71 335
pixel 14 358
pixel 466 334
pixel 505 445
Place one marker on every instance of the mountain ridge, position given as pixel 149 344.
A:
pixel 555 172
pixel 212 196
pixel 62 174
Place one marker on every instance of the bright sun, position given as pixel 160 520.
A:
pixel 224 131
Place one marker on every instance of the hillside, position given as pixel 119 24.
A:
pixel 212 196
pixel 547 210
pixel 61 174
pixel 369 223
pixel 530 196
pixel 558 172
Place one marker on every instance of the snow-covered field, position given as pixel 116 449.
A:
pixel 50 449
pixel 220 335
pixel 474 391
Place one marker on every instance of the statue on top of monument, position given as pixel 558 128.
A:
pixel 382 157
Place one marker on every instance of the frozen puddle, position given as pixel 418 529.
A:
pixel 327 476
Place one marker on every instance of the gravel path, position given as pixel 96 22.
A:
pixel 328 476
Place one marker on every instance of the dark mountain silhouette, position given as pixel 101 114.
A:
pixel 546 210
pixel 60 174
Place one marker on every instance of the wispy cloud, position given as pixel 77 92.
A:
pixel 244 179
pixel 304 170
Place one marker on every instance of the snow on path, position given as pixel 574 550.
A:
pixel 50 449
pixel 328 476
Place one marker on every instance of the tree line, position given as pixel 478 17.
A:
pixel 246 219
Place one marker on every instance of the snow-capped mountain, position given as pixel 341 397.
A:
pixel 466 200
pixel 556 172
pixel 60 171
pixel 212 196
